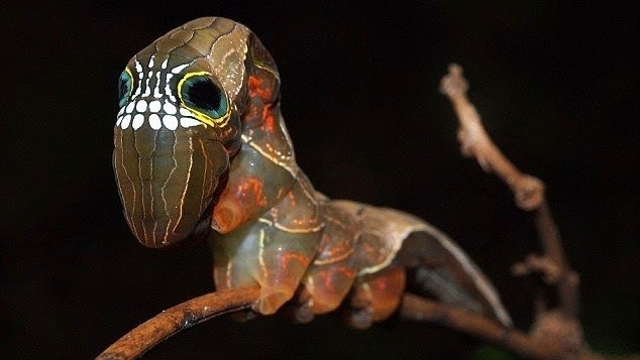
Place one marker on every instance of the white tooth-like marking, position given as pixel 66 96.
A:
pixel 170 121
pixel 165 63
pixel 151 61
pixel 154 121
pixel 141 106
pixel 129 108
pixel 156 90
pixel 169 108
pixel 167 88
pixel 155 106
pixel 125 121
pixel 119 121
pixel 138 120
pixel 185 112
pixel 177 69
pixel 189 122
pixel 121 111
pixel 137 92
pixel 138 66
pixel 147 89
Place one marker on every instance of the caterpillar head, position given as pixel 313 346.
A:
pixel 181 104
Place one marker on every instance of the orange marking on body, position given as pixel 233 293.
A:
pixel 330 278
pixel 256 90
pixel 292 199
pixel 284 263
pixel 234 206
pixel 252 188
pixel 326 278
pixel 269 121
pixel 294 256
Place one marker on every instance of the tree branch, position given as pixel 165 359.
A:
pixel 556 333
pixel 180 317
pixel 528 192
pixel 417 308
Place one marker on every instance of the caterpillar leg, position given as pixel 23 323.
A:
pixel 376 296
pixel 324 289
pixel 332 273
pixel 273 251
pixel 261 258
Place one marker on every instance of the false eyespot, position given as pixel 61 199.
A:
pixel 125 87
pixel 204 97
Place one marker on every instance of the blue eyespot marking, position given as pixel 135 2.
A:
pixel 125 86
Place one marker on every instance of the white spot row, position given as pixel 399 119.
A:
pixel 153 106
pixel 171 122
pixel 126 116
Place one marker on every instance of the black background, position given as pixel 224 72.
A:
pixel 557 86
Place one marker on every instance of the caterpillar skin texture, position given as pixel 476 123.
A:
pixel 201 151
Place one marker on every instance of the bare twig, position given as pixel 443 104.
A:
pixel 550 325
pixel 546 342
pixel 528 192
pixel 474 141
pixel 180 317
pixel 420 309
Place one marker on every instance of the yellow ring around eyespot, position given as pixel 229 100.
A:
pixel 130 89
pixel 208 120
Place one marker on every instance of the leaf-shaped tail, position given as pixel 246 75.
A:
pixel 439 267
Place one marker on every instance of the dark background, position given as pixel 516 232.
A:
pixel 557 86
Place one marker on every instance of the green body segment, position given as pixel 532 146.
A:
pixel 202 150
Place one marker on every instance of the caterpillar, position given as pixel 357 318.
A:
pixel 202 153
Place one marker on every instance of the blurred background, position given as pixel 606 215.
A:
pixel 556 84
